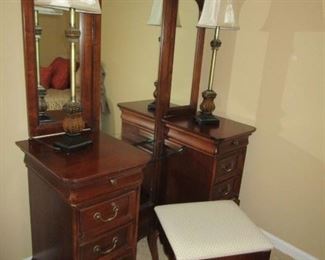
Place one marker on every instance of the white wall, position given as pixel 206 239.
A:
pixel 14 213
pixel 270 74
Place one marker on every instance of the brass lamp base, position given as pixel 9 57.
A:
pixel 206 119
pixel 71 143
pixel 207 106
pixel 73 124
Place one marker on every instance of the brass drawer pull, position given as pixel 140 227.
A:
pixel 98 250
pixel 235 142
pixel 225 191
pixel 98 216
pixel 228 167
pixel 113 182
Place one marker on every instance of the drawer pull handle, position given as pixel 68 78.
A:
pixel 235 142
pixel 98 216
pixel 225 191
pixel 113 182
pixel 228 167
pixel 98 250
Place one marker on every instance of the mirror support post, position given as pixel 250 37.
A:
pixel 42 105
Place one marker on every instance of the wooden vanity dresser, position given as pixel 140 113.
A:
pixel 84 205
pixel 92 203
pixel 210 161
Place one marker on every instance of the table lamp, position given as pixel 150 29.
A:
pixel 218 15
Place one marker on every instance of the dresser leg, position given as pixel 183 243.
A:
pixel 152 239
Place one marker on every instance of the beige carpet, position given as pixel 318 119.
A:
pixel 143 252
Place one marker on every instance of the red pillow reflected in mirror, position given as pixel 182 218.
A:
pixel 46 76
pixel 60 73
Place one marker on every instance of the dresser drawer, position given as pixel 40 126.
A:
pixel 232 144
pixel 107 185
pixel 109 213
pixel 230 166
pixel 134 134
pixel 116 244
pixel 228 189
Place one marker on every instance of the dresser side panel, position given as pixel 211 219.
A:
pixel 51 221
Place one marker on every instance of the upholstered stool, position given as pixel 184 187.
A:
pixel 212 229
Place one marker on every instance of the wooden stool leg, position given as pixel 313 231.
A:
pixel 166 245
pixel 152 239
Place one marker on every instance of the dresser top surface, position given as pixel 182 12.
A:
pixel 107 156
pixel 227 128
pixel 140 107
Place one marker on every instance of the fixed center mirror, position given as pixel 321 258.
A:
pixel 184 53
pixel 131 51
pixel 130 56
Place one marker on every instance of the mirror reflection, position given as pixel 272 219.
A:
pixel 184 53
pixel 130 56
pixel 54 61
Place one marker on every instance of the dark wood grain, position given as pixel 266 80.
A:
pixel 48 212
pixel 89 66
pixel 30 65
pixel 227 128
pixel 138 107
pixel 123 246
pixel 67 190
pixel 119 209
pixel 210 166
pixel 105 157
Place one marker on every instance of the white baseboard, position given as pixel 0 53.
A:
pixel 28 258
pixel 287 248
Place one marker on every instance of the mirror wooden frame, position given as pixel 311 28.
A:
pixel 163 108
pixel 196 76
pixel 90 26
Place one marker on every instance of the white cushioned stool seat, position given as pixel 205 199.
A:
pixel 211 229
